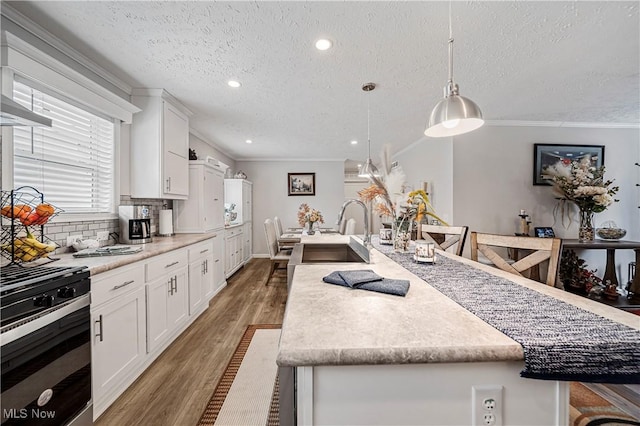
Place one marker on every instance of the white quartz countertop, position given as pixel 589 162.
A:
pixel 327 324
pixel 159 245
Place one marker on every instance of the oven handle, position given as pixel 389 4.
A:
pixel 44 318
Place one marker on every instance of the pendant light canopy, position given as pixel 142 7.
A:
pixel 368 169
pixel 455 114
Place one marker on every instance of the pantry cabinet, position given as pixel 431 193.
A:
pixel 167 297
pixel 159 146
pixel 118 318
pixel 203 211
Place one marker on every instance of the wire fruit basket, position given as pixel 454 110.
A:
pixel 24 213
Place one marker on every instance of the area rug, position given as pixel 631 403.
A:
pixel 247 393
pixel 590 409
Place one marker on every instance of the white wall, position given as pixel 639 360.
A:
pixel 492 175
pixel 431 160
pixel 270 194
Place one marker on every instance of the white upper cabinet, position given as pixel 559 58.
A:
pixel 159 146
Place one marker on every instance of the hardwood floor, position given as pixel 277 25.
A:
pixel 175 389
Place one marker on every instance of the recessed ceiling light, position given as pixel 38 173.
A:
pixel 359 165
pixel 234 83
pixel 323 44
pixel 354 142
pixel 249 141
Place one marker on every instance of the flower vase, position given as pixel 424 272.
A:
pixel 310 231
pixel 585 229
pixel 400 235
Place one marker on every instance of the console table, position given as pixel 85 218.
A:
pixel 611 247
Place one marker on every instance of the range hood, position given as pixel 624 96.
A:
pixel 14 114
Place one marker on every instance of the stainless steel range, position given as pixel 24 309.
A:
pixel 46 345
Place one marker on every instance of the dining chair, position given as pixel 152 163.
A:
pixel 350 227
pixel 279 232
pixel 444 237
pixel 277 256
pixel 541 250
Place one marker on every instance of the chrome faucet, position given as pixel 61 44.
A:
pixel 367 234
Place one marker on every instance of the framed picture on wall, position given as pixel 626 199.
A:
pixel 302 184
pixel 546 155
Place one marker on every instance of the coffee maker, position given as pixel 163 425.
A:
pixel 135 224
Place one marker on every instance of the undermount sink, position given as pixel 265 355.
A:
pixel 315 253
pixel 329 253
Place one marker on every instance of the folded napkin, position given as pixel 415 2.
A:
pixel 382 285
pixel 353 278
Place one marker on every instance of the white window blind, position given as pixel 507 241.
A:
pixel 71 163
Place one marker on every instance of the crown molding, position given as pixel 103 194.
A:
pixel 206 140
pixel 44 35
pixel 289 160
pixel 525 123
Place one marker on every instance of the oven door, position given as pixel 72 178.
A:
pixel 46 367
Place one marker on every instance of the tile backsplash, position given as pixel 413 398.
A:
pixel 59 231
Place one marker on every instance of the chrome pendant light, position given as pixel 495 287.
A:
pixel 455 114
pixel 368 169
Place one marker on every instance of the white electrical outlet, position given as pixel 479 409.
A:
pixel 102 235
pixel 486 405
pixel 72 239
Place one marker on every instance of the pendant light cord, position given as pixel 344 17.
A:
pixel 368 126
pixel 450 46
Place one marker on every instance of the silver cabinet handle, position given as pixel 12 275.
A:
pixel 204 251
pixel 169 184
pixel 171 264
pixel 175 284
pixel 126 283
pixel 206 266
pixel 170 286
pixel 217 260
pixel 100 332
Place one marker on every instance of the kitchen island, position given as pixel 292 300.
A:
pixel 368 358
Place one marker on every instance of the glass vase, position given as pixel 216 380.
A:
pixel 400 235
pixel 585 228
pixel 310 231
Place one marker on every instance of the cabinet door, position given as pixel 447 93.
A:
pixel 118 341
pixel 158 293
pixel 217 186
pixel 196 285
pixel 246 242
pixel 208 277
pixel 178 306
pixel 210 202
pixel 218 263
pixel 175 176
pixel 246 201
pixel 175 126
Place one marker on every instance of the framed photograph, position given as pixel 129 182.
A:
pixel 545 155
pixel 544 232
pixel 302 184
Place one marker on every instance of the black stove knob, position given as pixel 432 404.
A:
pixel 44 301
pixel 66 292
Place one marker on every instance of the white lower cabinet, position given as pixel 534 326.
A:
pixel 137 310
pixel 247 233
pixel 167 297
pixel 219 280
pixel 200 276
pixel 118 348
pixel 233 246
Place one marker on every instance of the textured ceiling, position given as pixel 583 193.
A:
pixel 523 61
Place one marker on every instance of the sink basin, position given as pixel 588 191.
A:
pixel 329 253
pixel 315 253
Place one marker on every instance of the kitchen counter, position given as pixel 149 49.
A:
pixel 159 245
pixel 416 359
pixel 331 325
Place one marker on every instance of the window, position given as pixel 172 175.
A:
pixel 71 163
